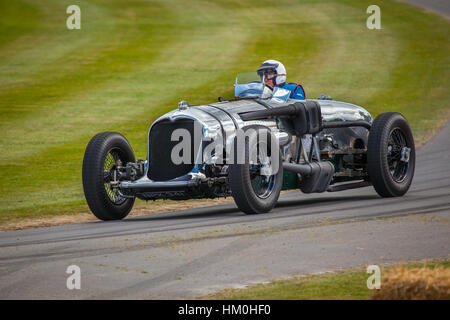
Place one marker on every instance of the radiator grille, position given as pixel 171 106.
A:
pixel 161 166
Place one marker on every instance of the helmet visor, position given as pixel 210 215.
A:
pixel 267 67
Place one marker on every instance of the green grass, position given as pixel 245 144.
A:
pixel 343 285
pixel 134 60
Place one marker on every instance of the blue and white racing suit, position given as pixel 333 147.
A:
pixel 296 90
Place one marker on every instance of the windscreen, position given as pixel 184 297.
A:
pixel 248 77
pixel 248 85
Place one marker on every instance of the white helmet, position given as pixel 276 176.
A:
pixel 273 65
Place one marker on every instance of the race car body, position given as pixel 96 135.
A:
pixel 196 151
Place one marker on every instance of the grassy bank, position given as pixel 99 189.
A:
pixel 134 60
pixel 343 285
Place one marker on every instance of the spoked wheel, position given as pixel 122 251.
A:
pixel 398 154
pixel 112 159
pixel 391 155
pixel 262 184
pixel 104 152
pixel 256 184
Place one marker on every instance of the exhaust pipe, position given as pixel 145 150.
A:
pixel 290 110
pixel 303 169
pixel 316 176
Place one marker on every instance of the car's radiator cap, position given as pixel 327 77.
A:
pixel 183 105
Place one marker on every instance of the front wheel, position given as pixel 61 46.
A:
pixel 256 183
pixel 391 155
pixel 103 153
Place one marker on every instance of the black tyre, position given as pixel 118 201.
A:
pixel 104 151
pixel 391 155
pixel 253 189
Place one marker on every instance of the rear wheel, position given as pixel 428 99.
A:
pixel 103 153
pixel 256 185
pixel 391 155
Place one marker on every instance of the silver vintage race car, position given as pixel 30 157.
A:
pixel 251 148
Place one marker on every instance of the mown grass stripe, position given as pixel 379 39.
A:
pixel 50 40
pixel 13 29
pixel 82 68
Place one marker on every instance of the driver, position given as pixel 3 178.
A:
pixel 274 74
